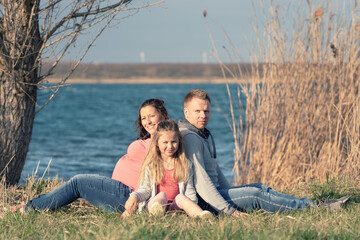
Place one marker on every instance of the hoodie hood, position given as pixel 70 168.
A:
pixel 205 134
pixel 202 133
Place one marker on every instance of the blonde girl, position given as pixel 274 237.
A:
pixel 166 180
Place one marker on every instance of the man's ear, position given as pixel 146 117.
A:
pixel 186 111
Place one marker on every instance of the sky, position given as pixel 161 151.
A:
pixel 177 32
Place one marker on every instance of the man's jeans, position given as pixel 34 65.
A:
pixel 258 196
pixel 103 192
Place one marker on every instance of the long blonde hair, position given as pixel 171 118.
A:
pixel 153 159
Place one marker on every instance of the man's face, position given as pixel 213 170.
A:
pixel 197 112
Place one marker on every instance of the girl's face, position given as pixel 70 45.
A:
pixel 168 144
pixel 150 118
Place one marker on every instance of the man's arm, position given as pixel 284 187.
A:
pixel 190 191
pixel 223 182
pixel 194 150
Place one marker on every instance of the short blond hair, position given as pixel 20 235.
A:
pixel 196 93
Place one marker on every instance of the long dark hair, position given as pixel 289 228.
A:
pixel 159 105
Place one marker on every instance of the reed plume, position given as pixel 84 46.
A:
pixel 300 117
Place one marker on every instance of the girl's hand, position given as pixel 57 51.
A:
pixel 125 214
pixel 237 213
pixel 131 204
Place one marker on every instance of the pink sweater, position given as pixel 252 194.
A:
pixel 128 168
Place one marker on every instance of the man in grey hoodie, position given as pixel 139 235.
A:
pixel 211 184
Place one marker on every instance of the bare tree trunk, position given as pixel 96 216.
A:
pixel 23 43
pixel 19 57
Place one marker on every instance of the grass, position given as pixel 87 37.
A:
pixel 301 136
pixel 81 220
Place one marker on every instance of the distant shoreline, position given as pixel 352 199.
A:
pixel 142 80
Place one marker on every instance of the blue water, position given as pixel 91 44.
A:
pixel 86 128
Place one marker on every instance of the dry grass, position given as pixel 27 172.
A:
pixel 85 221
pixel 303 120
pixel 16 195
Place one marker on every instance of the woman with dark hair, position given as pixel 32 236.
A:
pixel 109 194
pixel 160 108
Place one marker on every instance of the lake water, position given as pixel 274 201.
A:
pixel 86 128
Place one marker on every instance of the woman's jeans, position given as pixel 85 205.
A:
pixel 258 196
pixel 103 192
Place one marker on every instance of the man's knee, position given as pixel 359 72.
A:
pixel 260 186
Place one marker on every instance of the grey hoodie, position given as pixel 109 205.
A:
pixel 208 178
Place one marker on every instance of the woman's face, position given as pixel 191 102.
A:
pixel 150 118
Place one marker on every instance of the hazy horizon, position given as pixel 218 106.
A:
pixel 173 32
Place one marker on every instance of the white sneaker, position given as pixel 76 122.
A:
pixel 157 209
pixel 206 215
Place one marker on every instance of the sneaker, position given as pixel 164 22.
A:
pixel 156 209
pixel 334 204
pixel 206 215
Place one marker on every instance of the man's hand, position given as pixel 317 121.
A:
pixel 131 204
pixel 237 213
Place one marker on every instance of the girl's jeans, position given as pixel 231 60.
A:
pixel 258 196
pixel 103 192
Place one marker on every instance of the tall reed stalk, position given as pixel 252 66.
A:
pixel 302 114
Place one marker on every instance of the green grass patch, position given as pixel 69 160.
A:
pixel 81 220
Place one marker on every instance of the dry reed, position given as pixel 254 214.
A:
pixel 302 112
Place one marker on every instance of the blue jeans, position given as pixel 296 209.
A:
pixel 258 196
pixel 103 192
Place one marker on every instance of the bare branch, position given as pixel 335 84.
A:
pixel 76 65
pixel 77 15
pixel 30 33
pixel 51 5
pixel 80 27
pixel 75 33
